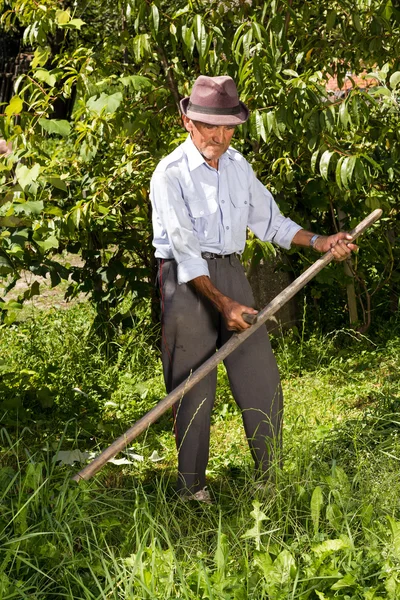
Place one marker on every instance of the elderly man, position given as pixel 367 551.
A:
pixel 204 196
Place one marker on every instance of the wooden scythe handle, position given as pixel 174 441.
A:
pixel 210 364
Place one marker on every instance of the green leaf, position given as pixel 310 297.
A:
pixel 285 567
pixel 11 221
pixel 14 107
pixel 11 305
pixel 33 290
pixel 57 126
pixel 222 552
pixel 366 514
pixel 356 22
pixel 344 114
pixel 155 15
pixel 380 91
pixel 62 16
pixel 50 242
pixel 181 11
pixel 347 581
pixel 45 76
pixel 272 124
pixel 394 80
pixel 26 176
pixel 324 163
pixel 40 57
pixel 258 31
pixel 74 24
pixel 57 183
pixel 141 46
pixel 314 159
pixel 32 207
pixel 107 104
pixel 317 501
pixel 137 82
pixel 290 72
pixel 54 210
pixel 5 265
pixel 330 19
pixel 338 172
pixel 188 38
pixel 348 166
pixel 247 39
pixel 334 516
pixel 330 547
pixel 255 532
pixel 259 126
pixel 395 530
pixel 200 35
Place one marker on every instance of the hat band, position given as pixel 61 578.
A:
pixel 209 110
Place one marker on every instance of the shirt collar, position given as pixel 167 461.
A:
pixel 194 157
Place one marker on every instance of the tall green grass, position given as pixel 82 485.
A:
pixel 330 528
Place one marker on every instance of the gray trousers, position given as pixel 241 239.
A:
pixel 192 330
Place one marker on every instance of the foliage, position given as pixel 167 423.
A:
pixel 81 183
pixel 52 365
pixel 330 529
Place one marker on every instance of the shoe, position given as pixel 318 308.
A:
pixel 200 496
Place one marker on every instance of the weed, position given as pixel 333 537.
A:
pixel 328 528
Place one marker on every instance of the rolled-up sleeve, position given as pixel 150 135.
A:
pixel 265 219
pixel 173 225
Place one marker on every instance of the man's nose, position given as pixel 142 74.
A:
pixel 218 135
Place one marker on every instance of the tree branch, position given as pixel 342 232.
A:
pixel 170 77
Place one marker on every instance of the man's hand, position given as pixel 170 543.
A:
pixel 230 309
pixel 232 313
pixel 338 244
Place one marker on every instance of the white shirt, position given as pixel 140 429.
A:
pixel 197 208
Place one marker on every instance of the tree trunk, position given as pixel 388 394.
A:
pixel 350 286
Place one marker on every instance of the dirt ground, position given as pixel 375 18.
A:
pixel 49 296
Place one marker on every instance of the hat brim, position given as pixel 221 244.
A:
pixel 238 119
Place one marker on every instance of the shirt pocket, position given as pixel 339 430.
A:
pixel 205 216
pixel 240 203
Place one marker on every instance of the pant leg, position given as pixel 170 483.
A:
pixel 189 336
pixel 254 379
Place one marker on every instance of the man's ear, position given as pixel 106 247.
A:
pixel 187 123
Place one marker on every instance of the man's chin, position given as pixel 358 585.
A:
pixel 213 154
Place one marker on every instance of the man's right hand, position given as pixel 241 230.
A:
pixel 232 313
pixel 230 309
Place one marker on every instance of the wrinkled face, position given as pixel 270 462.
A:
pixel 211 140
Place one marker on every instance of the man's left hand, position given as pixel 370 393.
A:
pixel 339 244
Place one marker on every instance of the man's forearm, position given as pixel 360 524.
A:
pixel 231 310
pixel 204 286
pixel 339 243
pixel 303 237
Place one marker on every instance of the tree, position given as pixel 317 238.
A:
pixel 81 183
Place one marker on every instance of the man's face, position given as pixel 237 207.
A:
pixel 211 140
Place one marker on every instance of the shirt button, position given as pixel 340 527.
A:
pixel 227 226
pixel 245 201
pixel 222 201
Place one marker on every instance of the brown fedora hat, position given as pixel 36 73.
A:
pixel 215 101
